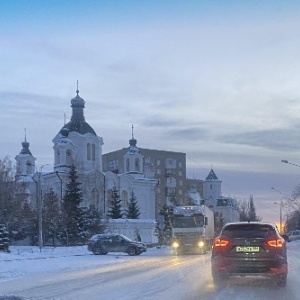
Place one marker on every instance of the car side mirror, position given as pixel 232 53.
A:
pixel 285 237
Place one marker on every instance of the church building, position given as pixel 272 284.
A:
pixel 77 144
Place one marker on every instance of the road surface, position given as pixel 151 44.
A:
pixel 152 275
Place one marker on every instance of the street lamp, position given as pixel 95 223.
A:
pixel 40 208
pixel 287 162
pixel 280 214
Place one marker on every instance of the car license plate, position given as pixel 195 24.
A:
pixel 247 249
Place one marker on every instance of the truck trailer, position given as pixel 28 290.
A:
pixel 192 229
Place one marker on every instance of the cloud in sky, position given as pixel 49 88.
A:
pixel 218 82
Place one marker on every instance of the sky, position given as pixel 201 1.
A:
pixel 217 80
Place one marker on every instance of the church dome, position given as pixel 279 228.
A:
pixel 25 149
pixel 78 123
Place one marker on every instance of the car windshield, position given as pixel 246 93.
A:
pixel 188 222
pixel 126 238
pixel 249 231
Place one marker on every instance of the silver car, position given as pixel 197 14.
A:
pixel 294 235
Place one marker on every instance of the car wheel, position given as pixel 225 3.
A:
pixel 98 251
pixel 281 279
pixel 132 251
pixel 218 277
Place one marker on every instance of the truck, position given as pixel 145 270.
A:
pixel 192 229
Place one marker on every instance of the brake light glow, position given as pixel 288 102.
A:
pixel 275 243
pixel 222 243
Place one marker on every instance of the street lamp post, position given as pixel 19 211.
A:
pixel 280 211
pixel 40 208
pixel 287 162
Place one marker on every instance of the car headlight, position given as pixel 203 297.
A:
pixel 175 244
pixel 201 244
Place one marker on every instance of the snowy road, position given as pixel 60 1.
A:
pixel 156 274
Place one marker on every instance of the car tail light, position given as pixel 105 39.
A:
pixel 221 243
pixel 275 243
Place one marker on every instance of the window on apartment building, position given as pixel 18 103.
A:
pixel 113 164
pixel 170 163
pixel 158 162
pixel 180 164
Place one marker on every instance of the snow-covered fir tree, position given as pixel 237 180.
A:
pixel 133 211
pixel 4 238
pixel 115 211
pixel 71 211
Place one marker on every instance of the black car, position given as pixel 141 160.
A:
pixel 249 248
pixel 104 243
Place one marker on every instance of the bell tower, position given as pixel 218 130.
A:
pixel 133 159
pixel 25 160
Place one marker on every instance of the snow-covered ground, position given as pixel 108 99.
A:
pixel 26 264
pixel 19 262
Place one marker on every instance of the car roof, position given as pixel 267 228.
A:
pixel 246 223
pixel 250 223
pixel 105 234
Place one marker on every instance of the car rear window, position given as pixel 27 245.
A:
pixel 249 230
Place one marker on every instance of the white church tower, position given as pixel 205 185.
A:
pixel 26 185
pixel 133 159
pixel 211 189
pixel 25 161
pixel 77 143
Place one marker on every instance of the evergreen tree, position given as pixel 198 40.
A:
pixel 243 210
pixel 4 238
pixel 10 207
pixel 51 216
pixel 166 234
pixel 115 211
pixel 29 223
pixel 252 211
pixel 133 211
pixel 71 211
pixel 93 223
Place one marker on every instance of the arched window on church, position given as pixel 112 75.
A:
pixel 88 151
pixel 108 200
pixel 125 199
pixel 127 165
pixel 69 159
pixel 93 152
pixel 58 157
pixel 95 198
pixel 137 165
pixel 28 167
